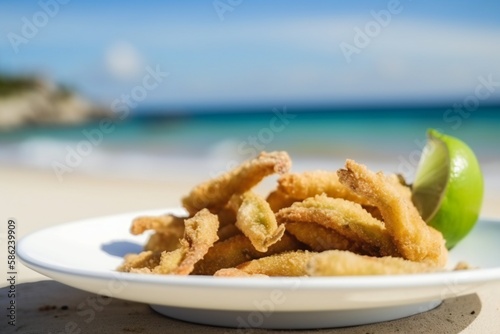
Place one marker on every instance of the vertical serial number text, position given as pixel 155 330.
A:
pixel 11 273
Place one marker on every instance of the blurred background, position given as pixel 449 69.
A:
pixel 167 94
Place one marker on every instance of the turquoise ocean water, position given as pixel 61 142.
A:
pixel 389 136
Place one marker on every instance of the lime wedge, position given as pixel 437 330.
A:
pixel 448 188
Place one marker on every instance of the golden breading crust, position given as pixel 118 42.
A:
pixel 238 249
pixel 199 236
pixel 309 184
pixel 346 218
pixel 215 193
pixel 342 263
pixel 257 221
pixel 415 240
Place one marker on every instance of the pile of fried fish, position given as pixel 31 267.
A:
pixel 318 223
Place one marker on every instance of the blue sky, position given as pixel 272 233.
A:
pixel 261 51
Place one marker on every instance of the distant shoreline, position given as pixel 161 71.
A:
pixel 36 101
pixel 234 113
pixel 405 111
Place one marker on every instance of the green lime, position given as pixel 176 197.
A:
pixel 448 187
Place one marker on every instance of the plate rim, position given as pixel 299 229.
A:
pixel 475 276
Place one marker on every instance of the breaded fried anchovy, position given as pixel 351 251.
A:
pixel 278 200
pixel 320 238
pixel 238 249
pixel 285 264
pixel 199 236
pixel 215 193
pixel 234 272
pixel 165 224
pixel 308 184
pixel 159 242
pixel 343 263
pixel 228 231
pixel 169 230
pixel 346 218
pixel 415 240
pixel 145 260
pixel 257 221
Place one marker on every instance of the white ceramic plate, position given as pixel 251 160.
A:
pixel 84 254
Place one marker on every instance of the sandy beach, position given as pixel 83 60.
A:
pixel 37 199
